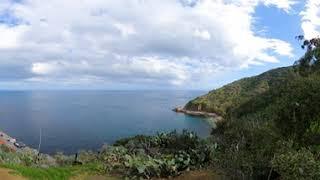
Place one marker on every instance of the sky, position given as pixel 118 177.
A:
pixel 148 44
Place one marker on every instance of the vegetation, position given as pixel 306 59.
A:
pixel 29 164
pixel 166 154
pixel 241 91
pixel 41 173
pixel 275 131
pixel 271 130
pixel 310 61
pixel 162 155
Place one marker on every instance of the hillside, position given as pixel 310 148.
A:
pixel 272 122
pixel 271 132
pixel 239 92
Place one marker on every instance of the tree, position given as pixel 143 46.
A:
pixel 310 61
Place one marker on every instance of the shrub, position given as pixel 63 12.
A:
pixel 62 159
pixel 162 155
pixel 299 164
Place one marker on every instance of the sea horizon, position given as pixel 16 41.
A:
pixel 94 117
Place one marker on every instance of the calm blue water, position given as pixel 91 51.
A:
pixel 73 120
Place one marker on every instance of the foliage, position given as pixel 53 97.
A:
pixel 253 132
pixel 239 92
pixel 310 61
pixel 299 108
pixel 162 155
pixel 63 160
pixel 6 156
pixel 25 156
pixel 246 148
pixel 299 164
pixel 264 114
pixel 271 130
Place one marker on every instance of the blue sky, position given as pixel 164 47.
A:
pixel 276 24
pixel 146 44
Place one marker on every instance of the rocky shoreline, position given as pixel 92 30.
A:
pixel 215 117
pixel 10 142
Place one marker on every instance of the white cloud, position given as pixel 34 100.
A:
pixel 10 36
pixel 281 4
pixel 171 42
pixel 204 34
pixel 125 30
pixel 44 68
pixel 153 68
pixel 311 19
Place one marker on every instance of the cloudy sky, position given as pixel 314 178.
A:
pixel 148 44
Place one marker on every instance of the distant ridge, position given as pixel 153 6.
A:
pixel 239 92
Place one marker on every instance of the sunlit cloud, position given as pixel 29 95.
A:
pixel 169 42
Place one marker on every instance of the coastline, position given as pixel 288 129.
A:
pixel 8 141
pixel 213 116
pixel 18 146
pixel 13 144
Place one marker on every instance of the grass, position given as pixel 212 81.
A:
pixel 52 173
pixel 41 173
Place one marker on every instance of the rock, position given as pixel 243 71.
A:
pixel 178 109
pixel 216 117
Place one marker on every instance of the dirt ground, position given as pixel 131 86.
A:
pixel 94 177
pixel 7 174
pixel 200 175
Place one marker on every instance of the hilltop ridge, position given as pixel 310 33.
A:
pixel 218 101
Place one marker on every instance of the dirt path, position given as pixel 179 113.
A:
pixel 94 177
pixel 6 174
pixel 200 175
pixel 192 175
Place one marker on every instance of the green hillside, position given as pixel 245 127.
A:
pixel 271 131
pixel 241 91
pixel 276 132
pixel 272 121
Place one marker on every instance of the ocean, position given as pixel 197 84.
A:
pixel 75 120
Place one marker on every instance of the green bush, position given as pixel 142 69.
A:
pixel 162 155
pixel 298 165
pixel 63 160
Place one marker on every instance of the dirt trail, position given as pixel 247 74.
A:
pixel 94 177
pixel 192 175
pixel 200 175
pixel 6 174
